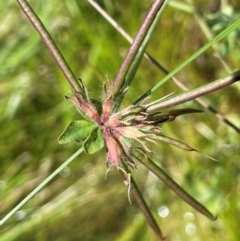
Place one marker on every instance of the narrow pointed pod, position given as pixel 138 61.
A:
pixel 175 187
pixel 143 207
pixel 172 115
pixel 138 59
pixel 195 93
pixel 178 112
pixel 52 47
pixel 120 78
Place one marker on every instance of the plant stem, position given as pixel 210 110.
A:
pixel 47 39
pixel 41 185
pixel 120 78
pixel 203 90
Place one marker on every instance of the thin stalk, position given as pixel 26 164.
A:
pixel 120 78
pixel 190 95
pixel 199 100
pixel 41 185
pixel 111 21
pixel 160 67
pixel 47 39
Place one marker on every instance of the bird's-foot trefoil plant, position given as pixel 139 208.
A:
pixel 128 134
pixel 122 133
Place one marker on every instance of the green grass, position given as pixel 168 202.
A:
pixel 83 205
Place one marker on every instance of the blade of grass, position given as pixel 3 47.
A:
pixel 41 185
pixel 190 59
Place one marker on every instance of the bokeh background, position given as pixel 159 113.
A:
pixel 79 203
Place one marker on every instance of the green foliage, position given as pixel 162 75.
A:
pixel 83 131
pixel 219 21
pixel 77 131
pixel 94 142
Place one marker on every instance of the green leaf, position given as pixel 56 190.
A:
pixel 94 142
pixel 77 131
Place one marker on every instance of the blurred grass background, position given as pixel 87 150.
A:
pixel 79 204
